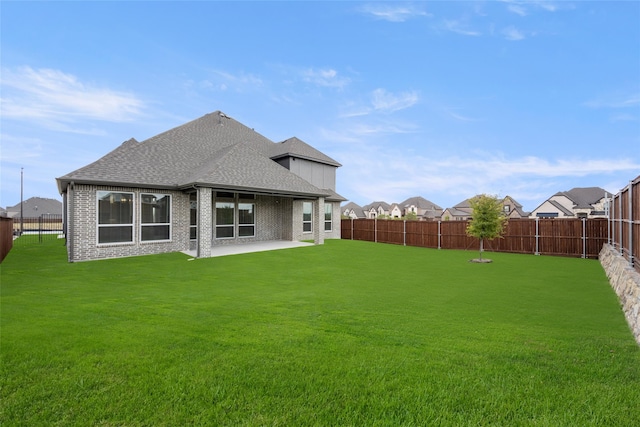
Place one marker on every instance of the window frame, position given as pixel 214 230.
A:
pixel 232 225
pixel 148 225
pixel 101 194
pixel 328 222
pixel 308 222
pixel 246 225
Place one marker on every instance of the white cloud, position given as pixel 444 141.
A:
pixel 615 101
pixel 241 82
pixel 53 98
pixel 393 13
pixel 512 33
pixel 460 27
pixel 379 173
pixel 325 77
pixel 518 9
pixel 388 102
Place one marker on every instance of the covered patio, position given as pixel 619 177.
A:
pixel 224 250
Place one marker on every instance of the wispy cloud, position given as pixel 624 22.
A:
pixel 461 176
pixel 389 102
pixel 460 27
pixel 58 100
pixel 326 77
pixel 224 80
pixel 524 7
pixel 615 101
pixel 394 12
pixel 512 33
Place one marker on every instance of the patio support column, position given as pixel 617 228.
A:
pixel 318 223
pixel 205 222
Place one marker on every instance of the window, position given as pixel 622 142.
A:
pixel 328 213
pixel 115 217
pixel 246 220
pixel 155 217
pixel 505 209
pixel 193 220
pixel 307 214
pixel 225 213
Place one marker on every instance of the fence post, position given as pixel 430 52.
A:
pixel 375 229
pixel 439 234
pixel 404 233
pixel 537 235
pixel 584 237
pixel 620 223
pixel 351 228
pixel 631 260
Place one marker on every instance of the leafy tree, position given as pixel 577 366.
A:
pixel 488 220
pixel 411 216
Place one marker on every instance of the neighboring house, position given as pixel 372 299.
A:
pixel 587 202
pixel 353 211
pixel 512 209
pixel 376 209
pixel 463 211
pixel 212 181
pixel 34 207
pixel 423 208
pixel 395 211
pixel 460 212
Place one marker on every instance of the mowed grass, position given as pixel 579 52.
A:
pixel 347 333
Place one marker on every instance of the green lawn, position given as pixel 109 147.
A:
pixel 348 333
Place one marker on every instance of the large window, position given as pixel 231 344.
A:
pixel 115 217
pixel 328 217
pixel 193 216
pixel 307 217
pixel 225 215
pixel 246 220
pixel 155 217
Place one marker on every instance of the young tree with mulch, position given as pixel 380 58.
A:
pixel 488 220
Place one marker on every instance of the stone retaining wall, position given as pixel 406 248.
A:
pixel 626 282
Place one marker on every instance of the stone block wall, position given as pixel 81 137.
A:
pixel 626 283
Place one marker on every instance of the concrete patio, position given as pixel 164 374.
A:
pixel 224 250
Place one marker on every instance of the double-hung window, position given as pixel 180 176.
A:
pixel 307 217
pixel 155 217
pixel 225 220
pixel 115 217
pixel 246 219
pixel 328 214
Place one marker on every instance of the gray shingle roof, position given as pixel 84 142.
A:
pixel 293 147
pixel 214 150
pixel 34 207
pixel 583 197
pixel 420 202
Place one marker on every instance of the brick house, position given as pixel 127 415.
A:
pixel 212 181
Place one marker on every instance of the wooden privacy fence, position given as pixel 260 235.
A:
pixel 580 237
pixel 6 236
pixel 624 211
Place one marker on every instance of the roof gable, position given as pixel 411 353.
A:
pixel 214 149
pixel 294 147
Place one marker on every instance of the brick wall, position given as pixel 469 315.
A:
pixel 82 233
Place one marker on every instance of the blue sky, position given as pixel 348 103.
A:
pixel 442 100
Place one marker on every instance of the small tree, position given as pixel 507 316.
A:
pixel 411 216
pixel 488 219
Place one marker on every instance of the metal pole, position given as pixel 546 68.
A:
pixel 631 261
pixel 537 236
pixel 21 201
pixel 584 237
pixel 351 228
pixel 621 249
pixel 404 233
